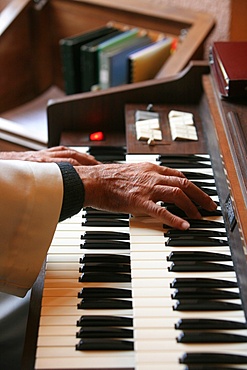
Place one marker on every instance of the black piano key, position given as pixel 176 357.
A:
pixel 202 224
pixel 204 213
pixel 185 164
pixel 104 320
pixel 212 358
pixel 108 158
pixel 104 345
pixel 104 257
pixel 195 324
pixel 209 367
pixel 188 157
pixel 209 191
pixel 105 267
pixel 106 277
pixel 203 282
pixel 210 337
pixel 203 293
pixel 102 235
pixel 197 256
pixel 205 224
pixel 92 212
pixel 197 175
pixel 105 222
pixel 104 292
pixel 205 305
pixel 208 233
pixel 206 184
pixel 191 240
pixel 108 154
pixel 198 266
pixel 104 303
pixel 106 149
pixel 104 332
pixel 104 244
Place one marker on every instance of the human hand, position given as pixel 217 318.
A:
pixel 55 154
pixel 136 189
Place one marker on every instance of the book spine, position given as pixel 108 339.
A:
pixel 67 68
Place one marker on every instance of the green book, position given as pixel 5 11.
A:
pixel 89 61
pixel 70 56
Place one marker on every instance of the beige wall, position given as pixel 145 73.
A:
pixel 219 9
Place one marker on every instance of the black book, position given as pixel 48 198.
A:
pixel 70 56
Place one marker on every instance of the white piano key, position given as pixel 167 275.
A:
pixel 169 365
pixel 160 348
pixel 53 351
pixel 161 273
pixel 151 312
pixel 159 282
pixel 73 310
pixel 89 363
pixel 166 322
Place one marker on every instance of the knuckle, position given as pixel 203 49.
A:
pixel 185 183
pixel 177 192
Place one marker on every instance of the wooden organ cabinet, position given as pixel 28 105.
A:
pixel 122 292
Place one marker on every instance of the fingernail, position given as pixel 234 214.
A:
pixel 185 225
pixel 213 206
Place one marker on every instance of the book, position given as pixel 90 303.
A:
pixel 89 61
pixel 114 63
pixel 117 41
pixel 228 61
pixel 70 56
pixel 146 63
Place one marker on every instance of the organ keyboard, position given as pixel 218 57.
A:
pixel 171 301
pixel 176 296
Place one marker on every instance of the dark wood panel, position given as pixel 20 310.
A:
pixel 105 110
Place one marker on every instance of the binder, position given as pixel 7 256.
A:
pixel 114 63
pixel 89 61
pixel 108 45
pixel 146 63
pixel 70 56
pixel 228 61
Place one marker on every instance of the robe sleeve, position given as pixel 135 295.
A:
pixel 31 197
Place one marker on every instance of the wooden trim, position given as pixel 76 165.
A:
pixel 238 28
pixel 235 187
pixel 10 12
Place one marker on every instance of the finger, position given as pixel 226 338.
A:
pixel 167 171
pixel 75 158
pixel 86 159
pixel 191 190
pixel 197 195
pixel 164 216
pixel 176 196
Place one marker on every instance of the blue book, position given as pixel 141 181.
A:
pixel 115 42
pixel 118 61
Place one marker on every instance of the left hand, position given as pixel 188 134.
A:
pixel 55 154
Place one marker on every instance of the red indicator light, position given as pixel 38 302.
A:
pixel 97 136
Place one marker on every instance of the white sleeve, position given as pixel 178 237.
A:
pixel 31 196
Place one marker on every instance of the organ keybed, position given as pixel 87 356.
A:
pixel 130 293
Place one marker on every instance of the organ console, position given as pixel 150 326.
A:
pixel 130 293
pixel 120 292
